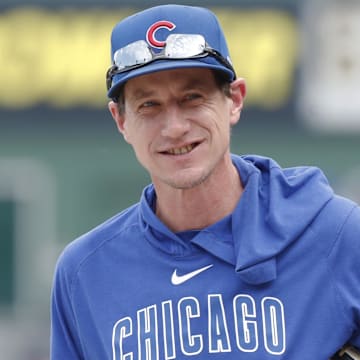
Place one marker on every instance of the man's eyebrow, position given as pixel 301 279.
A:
pixel 194 84
pixel 139 94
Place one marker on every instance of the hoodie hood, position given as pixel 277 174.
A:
pixel 276 207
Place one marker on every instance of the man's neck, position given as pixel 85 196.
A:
pixel 201 206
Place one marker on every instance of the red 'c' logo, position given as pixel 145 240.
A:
pixel 151 32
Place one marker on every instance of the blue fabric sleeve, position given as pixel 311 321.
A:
pixel 65 343
pixel 345 264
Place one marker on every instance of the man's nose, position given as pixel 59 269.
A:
pixel 176 124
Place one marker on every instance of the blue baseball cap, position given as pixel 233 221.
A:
pixel 154 25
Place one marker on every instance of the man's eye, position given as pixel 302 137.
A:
pixel 192 96
pixel 147 104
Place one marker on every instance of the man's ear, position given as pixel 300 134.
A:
pixel 238 93
pixel 118 118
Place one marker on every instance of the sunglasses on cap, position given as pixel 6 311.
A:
pixel 177 47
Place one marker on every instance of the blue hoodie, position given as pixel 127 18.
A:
pixel 277 279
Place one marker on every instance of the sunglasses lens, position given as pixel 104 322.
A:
pixel 180 46
pixel 136 53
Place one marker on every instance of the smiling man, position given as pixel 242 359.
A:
pixel 180 131
pixel 224 256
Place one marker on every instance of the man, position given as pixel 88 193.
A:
pixel 225 256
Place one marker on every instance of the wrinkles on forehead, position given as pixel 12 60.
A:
pixel 152 84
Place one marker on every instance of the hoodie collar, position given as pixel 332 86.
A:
pixel 276 207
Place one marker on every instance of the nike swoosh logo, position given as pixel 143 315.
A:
pixel 180 279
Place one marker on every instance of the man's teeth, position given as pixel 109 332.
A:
pixel 181 150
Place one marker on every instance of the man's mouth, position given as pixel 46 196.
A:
pixel 181 150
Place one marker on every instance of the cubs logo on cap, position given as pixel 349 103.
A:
pixel 153 26
pixel 152 30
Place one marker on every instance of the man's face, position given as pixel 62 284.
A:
pixel 178 122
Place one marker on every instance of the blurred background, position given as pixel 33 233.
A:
pixel 64 168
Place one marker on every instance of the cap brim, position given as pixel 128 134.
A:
pixel 162 65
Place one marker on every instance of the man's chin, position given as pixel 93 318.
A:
pixel 186 181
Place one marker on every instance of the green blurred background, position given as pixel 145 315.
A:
pixel 64 168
